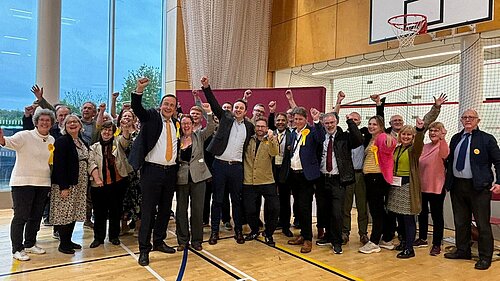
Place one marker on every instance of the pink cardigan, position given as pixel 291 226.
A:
pixel 385 158
pixel 432 169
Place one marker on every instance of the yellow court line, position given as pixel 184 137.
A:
pixel 336 270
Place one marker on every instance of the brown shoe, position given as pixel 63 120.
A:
pixel 214 236
pixel 307 247
pixel 238 236
pixel 363 238
pixel 321 233
pixel 297 241
pixel 181 248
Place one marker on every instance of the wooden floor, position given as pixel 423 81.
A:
pixel 227 261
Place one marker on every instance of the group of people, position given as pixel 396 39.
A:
pixel 148 155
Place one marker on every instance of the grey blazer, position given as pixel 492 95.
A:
pixel 196 166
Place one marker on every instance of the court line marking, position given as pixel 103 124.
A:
pixel 236 277
pixel 147 267
pixel 312 261
pixel 247 277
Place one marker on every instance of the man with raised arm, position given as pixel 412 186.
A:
pixel 228 145
pixel 154 152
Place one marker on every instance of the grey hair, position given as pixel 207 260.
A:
pixel 72 115
pixel 332 114
pixel 43 111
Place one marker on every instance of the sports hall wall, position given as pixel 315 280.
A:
pixel 309 31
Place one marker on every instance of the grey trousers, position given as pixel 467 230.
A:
pixel 357 189
pixel 195 192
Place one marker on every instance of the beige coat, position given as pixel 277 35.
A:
pixel 122 165
pixel 257 167
pixel 196 166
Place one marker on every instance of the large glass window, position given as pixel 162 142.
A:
pixel 84 52
pixel 18 22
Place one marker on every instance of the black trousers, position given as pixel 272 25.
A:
pixel 28 203
pixel 303 191
pixel 377 190
pixel 107 203
pixel 330 197
pixel 407 227
pixel 252 194
pixel 436 202
pixel 157 187
pixel 285 193
pixel 467 201
pixel 65 234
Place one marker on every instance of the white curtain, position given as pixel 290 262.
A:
pixel 227 40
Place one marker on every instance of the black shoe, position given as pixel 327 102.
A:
pixel 337 249
pixel 66 251
pixel 269 241
pixel 164 248
pixel 95 244
pixel 458 256
pixel 406 254
pixel 401 246
pixel 75 246
pixel 322 242
pixel 482 264
pixel 143 258
pixel 214 236
pixel 251 236
pixel 115 241
pixel 287 232
pixel 238 236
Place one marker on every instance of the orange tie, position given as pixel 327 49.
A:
pixel 168 153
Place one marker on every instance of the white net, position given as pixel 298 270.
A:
pixel 407 27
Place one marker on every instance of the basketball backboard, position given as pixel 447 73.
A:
pixel 441 14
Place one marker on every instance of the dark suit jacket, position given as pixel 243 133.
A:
pixel 66 165
pixel 484 152
pixel 151 127
pixel 226 119
pixel 308 153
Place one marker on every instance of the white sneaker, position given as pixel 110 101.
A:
pixel 386 245
pixel 35 250
pixel 21 256
pixel 369 248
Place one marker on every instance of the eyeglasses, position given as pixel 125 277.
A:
pixel 468 117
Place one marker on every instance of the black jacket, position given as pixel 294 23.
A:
pixel 151 127
pixel 66 165
pixel 484 153
pixel 226 119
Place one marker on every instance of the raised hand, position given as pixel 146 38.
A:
pixel 375 98
pixel 419 123
pixel 206 107
pixel 195 93
pixel 141 84
pixel 28 110
pixel 247 94
pixel 37 91
pixel 272 106
pixel 315 114
pixel 289 94
pixel 441 99
pixel 349 116
pixel 204 82
pixel 102 107
pixel 340 97
pixel 115 95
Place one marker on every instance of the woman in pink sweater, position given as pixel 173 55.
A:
pixel 432 176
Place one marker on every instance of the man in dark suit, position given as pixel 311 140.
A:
pixel 469 178
pixel 154 152
pixel 228 145
pixel 300 167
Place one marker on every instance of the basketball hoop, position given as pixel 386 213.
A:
pixel 407 27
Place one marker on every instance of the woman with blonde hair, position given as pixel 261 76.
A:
pixel 404 195
pixel 432 176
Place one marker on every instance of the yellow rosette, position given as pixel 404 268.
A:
pixel 374 149
pixel 117 132
pixel 304 134
pixel 51 156
pixel 178 131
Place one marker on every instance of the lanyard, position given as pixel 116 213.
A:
pixel 400 153
pixel 280 140
pixel 296 144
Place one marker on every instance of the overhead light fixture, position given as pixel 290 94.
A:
pixel 10 53
pixel 15 38
pixel 20 11
pixel 386 62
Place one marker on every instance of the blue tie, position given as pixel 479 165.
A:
pixel 462 153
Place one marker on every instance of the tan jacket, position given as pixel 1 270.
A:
pixel 122 165
pixel 258 168
pixel 196 166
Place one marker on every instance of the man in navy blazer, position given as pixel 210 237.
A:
pixel 228 145
pixel 300 167
pixel 154 152
pixel 469 178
